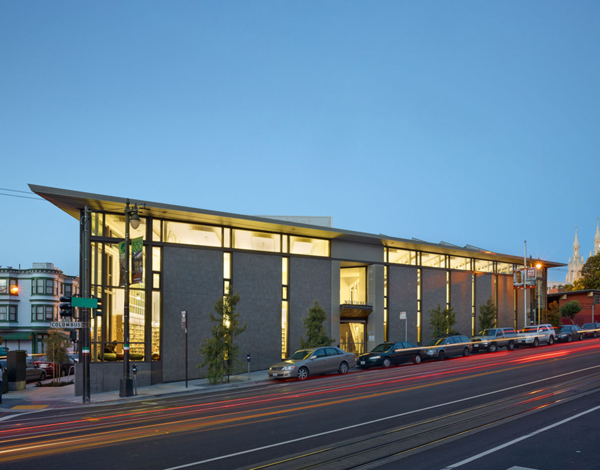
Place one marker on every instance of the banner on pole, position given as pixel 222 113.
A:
pixel 137 260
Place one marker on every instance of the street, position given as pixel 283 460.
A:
pixel 431 415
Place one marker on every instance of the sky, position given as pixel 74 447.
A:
pixel 468 122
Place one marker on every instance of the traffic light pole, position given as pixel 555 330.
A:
pixel 85 312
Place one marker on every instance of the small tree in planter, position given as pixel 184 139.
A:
pixel 220 351
pixel 554 314
pixel 315 331
pixel 442 321
pixel 56 352
pixel 487 315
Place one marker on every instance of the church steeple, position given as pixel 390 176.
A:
pixel 576 247
pixel 597 238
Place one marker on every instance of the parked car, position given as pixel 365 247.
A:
pixel 447 346
pixel 64 369
pixel 494 338
pixel 568 333
pixel 33 372
pixel 387 354
pixel 535 335
pixel 313 361
pixel 590 330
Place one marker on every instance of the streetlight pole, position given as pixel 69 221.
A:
pixel 126 389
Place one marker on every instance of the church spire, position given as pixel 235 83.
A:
pixel 597 238
pixel 576 246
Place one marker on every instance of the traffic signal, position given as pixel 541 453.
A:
pixel 98 311
pixel 66 309
pixel 73 335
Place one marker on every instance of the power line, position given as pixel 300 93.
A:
pixel 24 197
pixel 15 190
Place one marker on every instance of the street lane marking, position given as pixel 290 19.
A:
pixel 519 439
pixel 29 407
pixel 366 423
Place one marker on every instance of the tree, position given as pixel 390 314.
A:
pixel 487 315
pixel 570 309
pixel 56 351
pixel 442 321
pixel 554 315
pixel 220 352
pixel 590 274
pixel 315 331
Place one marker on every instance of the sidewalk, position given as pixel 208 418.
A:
pixel 36 398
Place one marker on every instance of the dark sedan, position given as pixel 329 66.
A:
pixel 387 354
pixel 568 333
pixel 590 330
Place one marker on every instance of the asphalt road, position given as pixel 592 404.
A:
pixel 434 415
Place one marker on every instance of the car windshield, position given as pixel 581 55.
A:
pixel 436 341
pixel 487 333
pixel 382 347
pixel 302 354
pixel 565 328
pixel 589 325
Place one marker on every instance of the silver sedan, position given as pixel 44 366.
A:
pixel 313 361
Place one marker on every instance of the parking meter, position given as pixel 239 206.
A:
pixel 134 368
pixel 248 359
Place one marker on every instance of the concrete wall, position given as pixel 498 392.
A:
pixel 192 281
pixel 356 252
pixel 375 333
pixel 257 278
pixel 434 294
pixel 310 280
pixel 335 300
pixel 460 300
pixel 402 297
pixel 106 376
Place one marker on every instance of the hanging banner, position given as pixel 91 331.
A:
pixel 137 260
pixel 518 279
pixel 525 278
pixel 122 257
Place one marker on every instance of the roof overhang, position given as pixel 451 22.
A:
pixel 73 202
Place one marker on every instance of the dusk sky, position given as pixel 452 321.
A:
pixel 468 122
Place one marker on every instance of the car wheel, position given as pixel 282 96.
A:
pixel 594 335
pixel 466 352
pixel 536 343
pixel 510 346
pixel 569 339
pixel 417 359
pixel 63 373
pixel 442 355
pixel 302 373
pixel 42 376
pixel 492 348
pixel 551 340
pixel 387 362
pixel 580 337
pixel 343 368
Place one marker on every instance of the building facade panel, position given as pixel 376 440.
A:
pixel 310 280
pixel 484 284
pixel 192 281
pixel 506 304
pixel 434 294
pixel 402 297
pixel 257 279
pixel 461 300
pixel 356 251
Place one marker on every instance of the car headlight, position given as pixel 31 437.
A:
pixel 288 367
pixel 374 358
pixel 430 352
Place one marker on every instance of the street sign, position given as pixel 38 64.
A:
pixel 84 302
pixel 66 324
pixel 184 319
pixel 402 315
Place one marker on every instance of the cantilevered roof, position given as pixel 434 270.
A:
pixel 73 202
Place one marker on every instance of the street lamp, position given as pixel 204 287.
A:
pixel 131 217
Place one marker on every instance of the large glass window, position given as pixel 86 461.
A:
pixel 433 260
pixel 505 268
pixel 309 246
pixel 192 234
pixel 258 241
pixel 42 313
pixel 3 286
pixel 457 262
pixel 353 285
pixel 399 256
pixel 485 266
pixel 115 227
pixel 155 326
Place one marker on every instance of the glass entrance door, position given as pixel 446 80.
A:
pixel 352 337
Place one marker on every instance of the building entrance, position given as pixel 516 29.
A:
pixel 352 337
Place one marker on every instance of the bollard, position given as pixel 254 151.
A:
pixel 134 370
pixel 248 359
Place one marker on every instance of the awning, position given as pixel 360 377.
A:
pixel 15 336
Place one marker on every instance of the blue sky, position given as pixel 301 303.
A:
pixel 469 122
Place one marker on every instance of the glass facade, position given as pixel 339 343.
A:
pixel 353 286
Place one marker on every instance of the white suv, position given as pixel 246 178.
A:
pixel 535 334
